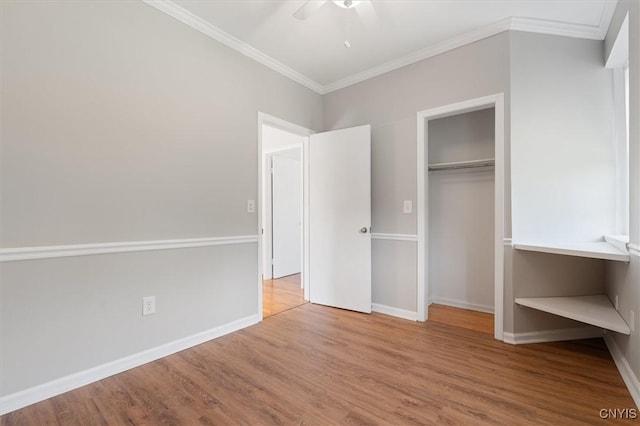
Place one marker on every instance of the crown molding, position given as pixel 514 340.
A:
pixel 606 17
pixel 216 33
pixel 540 26
pixel 510 24
pixel 419 55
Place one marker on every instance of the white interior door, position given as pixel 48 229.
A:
pixel 286 215
pixel 340 218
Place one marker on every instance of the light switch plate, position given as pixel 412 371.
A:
pixel 407 206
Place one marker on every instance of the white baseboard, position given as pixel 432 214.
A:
pixel 394 312
pixel 552 335
pixel 55 387
pixel 630 379
pixel 461 304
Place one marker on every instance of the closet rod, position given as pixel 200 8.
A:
pixel 463 164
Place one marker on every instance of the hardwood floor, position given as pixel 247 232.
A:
pixel 315 365
pixel 472 320
pixel 281 295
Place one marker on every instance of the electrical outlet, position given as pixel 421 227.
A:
pixel 616 304
pixel 407 206
pixel 251 206
pixel 148 305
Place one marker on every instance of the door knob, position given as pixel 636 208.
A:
pixel 363 229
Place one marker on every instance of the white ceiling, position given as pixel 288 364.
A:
pixel 384 35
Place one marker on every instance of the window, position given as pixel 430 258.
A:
pixel 626 101
pixel 621 115
pixel 618 62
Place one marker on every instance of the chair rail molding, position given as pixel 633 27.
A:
pixel 47 252
pixel 394 237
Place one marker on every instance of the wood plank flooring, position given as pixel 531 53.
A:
pixel 472 320
pixel 316 365
pixel 281 294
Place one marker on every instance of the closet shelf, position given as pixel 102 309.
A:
pixel 486 162
pixel 595 310
pixel 618 241
pixel 594 250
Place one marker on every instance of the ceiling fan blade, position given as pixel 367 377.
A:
pixel 308 9
pixel 366 12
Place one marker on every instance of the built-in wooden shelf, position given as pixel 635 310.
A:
pixel 594 250
pixel 595 310
pixel 471 164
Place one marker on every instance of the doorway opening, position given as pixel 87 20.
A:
pixel 282 195
pixel 282 216
pixel 336 182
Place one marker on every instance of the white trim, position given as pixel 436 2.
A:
pixel 606 17
pixel 496 101
pixel 630 379
pixel 419 55
pixel 564 29
pixel 422 290
pixel 634 249
pixel 55 387
pixel 509 24
pixel 394 237
pixel 619 54
pixel 284 148
pixel 281 124
pixel 216 33
pixel 47 252
pixel 508 242
pixel 394 312
pixel 514 24
pixel 552 335
pixel 594 250
pixel 462 304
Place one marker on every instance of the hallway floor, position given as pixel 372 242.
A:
pixel 281 294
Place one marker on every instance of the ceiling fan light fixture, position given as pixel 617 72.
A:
pixel 347 4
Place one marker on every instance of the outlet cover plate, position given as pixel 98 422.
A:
pixel 148 305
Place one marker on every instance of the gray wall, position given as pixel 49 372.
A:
pixel 394 271
pixel 469 136
pixel 563 167
pixel 61 316
pixel 390 103
pixel 563 161
pixel 123 124
pixel 624 279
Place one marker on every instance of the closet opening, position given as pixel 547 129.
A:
pixel 461 213
pixel 460 191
